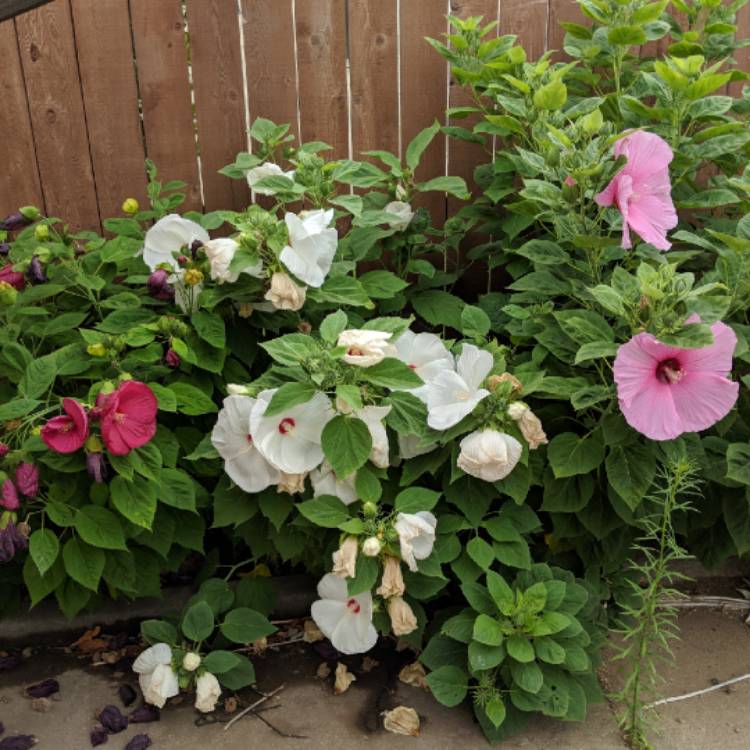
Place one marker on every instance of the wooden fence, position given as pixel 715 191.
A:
pixel 90 88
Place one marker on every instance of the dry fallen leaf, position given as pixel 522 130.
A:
pixel 368 664
pixel 260 646
pixel 230 705
pixel 344 678
pixel 312 632
pixel 42 705
pixel 402 720
pixel 323 671
pixel 89 642
pixel 414 674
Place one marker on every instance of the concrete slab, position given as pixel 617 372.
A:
pixel 713 647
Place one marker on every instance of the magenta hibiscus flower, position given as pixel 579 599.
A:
pixel 642 190
pixel 128 417
pixel 665 391
pixel 67 433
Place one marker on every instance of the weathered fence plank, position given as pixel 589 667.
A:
pixel 110 97
pixel 50 69
pixel 424 88
pixel 528 20
pixel 19 177
pixel 559 11
pixel 271 65
pixel 10 8
pixel 161 58
pixel 219 100
pixel 321 56
pixel 373 42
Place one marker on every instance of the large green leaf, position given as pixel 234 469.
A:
pixel 346 442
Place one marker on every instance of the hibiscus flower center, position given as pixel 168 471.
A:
pixel 412 367
pixel 353 606
pixel 354 351
pixel 669 371
pixel 286 425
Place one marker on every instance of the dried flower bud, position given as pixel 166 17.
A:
pixel 402 616
pixel 139 742
pixel 158 285
pixel 98 736
pixel 96 467
pixel 144 714
pixel 172 359
pixel 36 272
pixel 27 479
pixel 4 450
pixel 14 221
pixel 4 248
pixel 113 720
pixel 43 689
pixel 345 558
pixel 9 496
pixel 495 380
pixel 127 695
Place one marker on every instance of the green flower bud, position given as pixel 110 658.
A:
pixel 97 350
pixel 370 509
pixel 41 232
pixel 8 294
pixel 131 206
pixel 32 213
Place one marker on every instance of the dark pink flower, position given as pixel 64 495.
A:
pixel 27 479
pixel 9 497
pixel 128 417
pixel 4 450
pixel 172 359
pixel 642 190
pixel 665 391
pixel 14 278
pixel 67 433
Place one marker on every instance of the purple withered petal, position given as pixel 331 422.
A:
pixel 144 714
pixel 113 720
pixel 18 742
pixel 43 689
pixel 139 742
pixel 8 662
pixel 96 467
pixel 36 271
pixel 98 736
pixel 11 542
pixel 4 248
pixel 127 695
pixel 14 221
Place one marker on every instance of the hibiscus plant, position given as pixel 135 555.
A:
pixel 318 382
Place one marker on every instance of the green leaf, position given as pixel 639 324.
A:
pixel 245 625
pixel 19 407
pixel 738 462
pixel 240 676
pixel 481 552
pixel 288 395
pixel 487 630
pixel 382 284
pixel 630 471
pixel 83 563
pixel 414 499
pixel 99 527
pixel 332 325
pixel 483 657
pixel 528 677
pixel 519 648
pixel 210 327
pixel 417 146
pixel 219 662
pixel 191 400
pixel 570 454
pixel 584 326
pixel 198 622
pixel 551 96
pixel 495 710
pixel 365 575
pixel 177 489
pixel 626 36
pixel 325 510
pixel 439 308
pixel 449 685
pixel 596 350
pixel 455 186
pixel 549 651
pixel 391 373
pixel 159 631
pixel 501 593
pixel 347 443
pixel 475 322
pixel 136 500
pixel 39 376
pixel 44 548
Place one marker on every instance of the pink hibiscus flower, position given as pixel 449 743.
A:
pixel 642 190
pixel 665 391
pixel 14 278
pixel 67 433
pixel 128 417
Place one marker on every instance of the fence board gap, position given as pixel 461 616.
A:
pixel 19 178
pixel 58 120
pixel 161 58
pixel 110 97
pixel 219 104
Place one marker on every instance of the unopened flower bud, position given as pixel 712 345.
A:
pixel 172 359
pixel 182 260
pixel 27 479
pixel 370 509
pixel 158 285
pixel 93 444
pixel 9 496
pixel 4 450
pixel 8 294
pixel 30 213
pixel 194 247
pixel 97 350
pixel 130 206
pixel 41 232
pixel 193 277
pixel 371 547
pixel 191 661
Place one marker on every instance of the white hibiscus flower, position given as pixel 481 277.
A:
pixel 312 245
pixel 267 169
pixel 168 237
pixel 489 455
pixel 290 440
pixel 325 482
pixel 402 215
pixel 451 396
pixel 373 417
pixel 231 437
pixel 157 678
pixel 345 620
pixel 207 692
pixel 425 353
pixel 220 253
pixel 416 535
pixel 365 348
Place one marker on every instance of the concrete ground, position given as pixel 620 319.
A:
pixel 714 647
